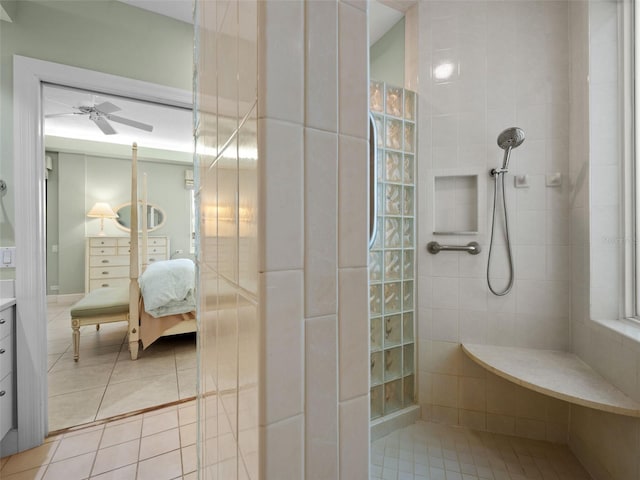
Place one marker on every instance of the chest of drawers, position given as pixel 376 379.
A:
pixel 107 262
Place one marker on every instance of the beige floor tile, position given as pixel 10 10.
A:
pixel 187 383
pixel 167 420
pixel 52 359
pixel 29 459
pixel 116 456
pixel 83 430
pixel 134 395
pixel 188 434
pixel 74 408
pixel 161 411
pixel 191 476
pixel 76 467
pixel 159 443
pixel 80 378
pixel 121 433
pixel 163 467
pixel 189 459
pixel 124 473
pixel 89 357
pixel 144 367
pixel 77 445
pixel 187 412
pixel 31 474
pixel 95 340
pixel 58 346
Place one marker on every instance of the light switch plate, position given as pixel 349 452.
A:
pixel 7 257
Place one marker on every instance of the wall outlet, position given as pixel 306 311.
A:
pixel 7 257
pixel 54 288
pixel 54 248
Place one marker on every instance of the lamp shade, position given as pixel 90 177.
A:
pixel 102 210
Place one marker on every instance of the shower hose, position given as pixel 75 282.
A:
pixel 498 177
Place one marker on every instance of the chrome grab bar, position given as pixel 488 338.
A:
pixel 472 247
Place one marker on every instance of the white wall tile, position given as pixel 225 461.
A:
pixel 354 439
pixel 352 71
pixel 281 60
pixel 444 390
pixel 322 65
pixel 283 455
pixel 321 420
pixel 283 329
pixel 321 226
pixel 352 201
pixel 353 326
pixel 444 326
pixel 281 229
pixel 446 292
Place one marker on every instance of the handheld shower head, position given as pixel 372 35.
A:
pixel 509 139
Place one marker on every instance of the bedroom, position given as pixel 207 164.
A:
pixel 100 37
pixel 86 166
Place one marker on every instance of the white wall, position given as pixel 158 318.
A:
pixel 106 36
pixel 84 180
pixel 607 444
pixel 511 69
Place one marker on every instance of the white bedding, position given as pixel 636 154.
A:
pixel 168 287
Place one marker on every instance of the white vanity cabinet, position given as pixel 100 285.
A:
pixel 7 369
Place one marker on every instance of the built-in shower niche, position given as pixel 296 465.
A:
pixel 455 204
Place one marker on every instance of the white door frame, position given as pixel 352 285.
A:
pixel 30 220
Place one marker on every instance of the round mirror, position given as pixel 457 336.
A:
pixel 155 217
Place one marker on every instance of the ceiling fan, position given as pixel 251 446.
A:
pixel 99 114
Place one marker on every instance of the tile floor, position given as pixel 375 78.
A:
pixel 427 451
pixel 157 445
pixel 161 445
pixel 105 382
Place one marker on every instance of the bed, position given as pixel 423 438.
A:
pixel 167 287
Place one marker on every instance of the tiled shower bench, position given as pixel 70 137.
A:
pixel 555 373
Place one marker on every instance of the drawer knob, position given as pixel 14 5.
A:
pixel 2 393
pixel 152 259
pixel 105 285
pixel 2 321
pixel 105 261
pixel 2 350
pixel 105 273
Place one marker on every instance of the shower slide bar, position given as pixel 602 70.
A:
pixel 472 247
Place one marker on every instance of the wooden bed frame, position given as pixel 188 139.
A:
pixel 133 316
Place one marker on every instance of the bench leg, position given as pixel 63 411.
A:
pixel 133 349
pixel 97 326
pixel 75 325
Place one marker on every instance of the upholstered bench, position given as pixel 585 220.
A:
pixel 103 305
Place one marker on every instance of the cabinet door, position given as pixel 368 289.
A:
pixel 6 405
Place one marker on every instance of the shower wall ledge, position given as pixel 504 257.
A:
pixel 558 374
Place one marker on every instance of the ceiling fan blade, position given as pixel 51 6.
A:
pixel 103 125
pixel 107 107
pixel 53 115
pixel 131 123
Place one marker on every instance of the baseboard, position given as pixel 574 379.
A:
pixel 67 299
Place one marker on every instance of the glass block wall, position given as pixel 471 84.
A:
pixel 392 256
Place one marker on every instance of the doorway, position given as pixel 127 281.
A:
pixel 87 144
pixel 30 75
